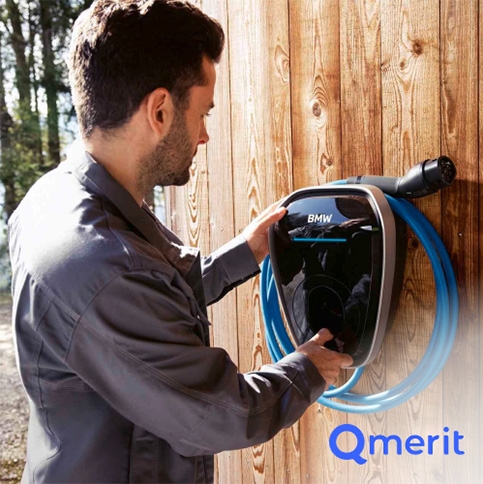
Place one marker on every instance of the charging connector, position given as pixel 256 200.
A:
pixel 425 178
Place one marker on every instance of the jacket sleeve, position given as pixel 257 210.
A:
pixel 229 266
pixel 138 344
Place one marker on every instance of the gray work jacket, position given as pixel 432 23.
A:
pixel 112 341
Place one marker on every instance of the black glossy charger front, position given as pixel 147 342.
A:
pixel 333 257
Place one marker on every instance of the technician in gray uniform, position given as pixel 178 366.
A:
pixel 109 306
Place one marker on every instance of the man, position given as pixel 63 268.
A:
pixel 109 307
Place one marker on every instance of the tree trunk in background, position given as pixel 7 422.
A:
pixel 50 83
pixel 7 174
pixel 32 14
pixel 28 133
pixel 19 45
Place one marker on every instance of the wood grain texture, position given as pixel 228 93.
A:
pixel 188 206
pixel 411 133
pixel 360 78
pixel 279 183
pixel 459 95
pixel 251 141
pixel 315 74
pixel 360 74
pixel 316 137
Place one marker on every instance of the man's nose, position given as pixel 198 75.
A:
pixel 204 137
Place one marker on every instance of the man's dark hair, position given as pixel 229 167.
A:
pixel 124 49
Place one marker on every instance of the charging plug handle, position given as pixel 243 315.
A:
pixel 425 178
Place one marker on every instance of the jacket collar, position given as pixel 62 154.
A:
pixel 95 177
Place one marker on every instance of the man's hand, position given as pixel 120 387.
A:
pixel 328 363
pixel 256 234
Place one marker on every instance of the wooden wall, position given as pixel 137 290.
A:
pixel 311 91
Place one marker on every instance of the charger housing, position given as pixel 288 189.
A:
pixel 338 259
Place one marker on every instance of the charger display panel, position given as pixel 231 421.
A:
pixel 330 261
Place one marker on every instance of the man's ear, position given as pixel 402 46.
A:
pixel 160 111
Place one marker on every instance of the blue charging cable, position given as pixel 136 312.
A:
pixel 440 344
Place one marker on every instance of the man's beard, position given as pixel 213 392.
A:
pixel 170 161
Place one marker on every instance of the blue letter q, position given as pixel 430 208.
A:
pixel 355 454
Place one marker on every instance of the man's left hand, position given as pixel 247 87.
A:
pixel 256 233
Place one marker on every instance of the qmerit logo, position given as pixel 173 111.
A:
pixel 445 443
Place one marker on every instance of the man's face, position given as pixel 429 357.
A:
pixel 169 163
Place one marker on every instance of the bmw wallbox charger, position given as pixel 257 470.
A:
pixel 334 257
pixel 336 261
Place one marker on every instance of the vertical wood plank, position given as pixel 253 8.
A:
pixel 360 24
pixel 459 64
pixel 362 155
pixel 315 74
pixel 252 149
pixel 316 138
pixel 411 133
pixel 279 183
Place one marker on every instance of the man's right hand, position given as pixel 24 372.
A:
pixel 327 362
